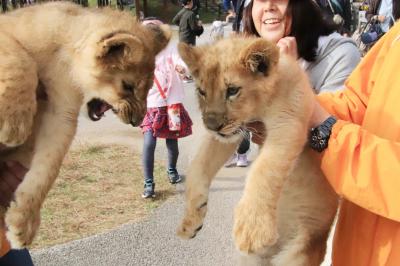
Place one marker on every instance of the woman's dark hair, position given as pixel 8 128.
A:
pixel 307 26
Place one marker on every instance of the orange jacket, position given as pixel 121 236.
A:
pixel 5 246
pixel 362 161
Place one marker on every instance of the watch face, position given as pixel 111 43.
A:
pixel 319 136
pixel 317 140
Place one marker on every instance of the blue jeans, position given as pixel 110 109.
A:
pixel 227 5
pixel 149 147
pixel 17 257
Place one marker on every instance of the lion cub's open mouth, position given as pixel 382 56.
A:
pixel 227 135
pixel 97 108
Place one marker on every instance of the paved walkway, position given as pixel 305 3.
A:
pixel 153 241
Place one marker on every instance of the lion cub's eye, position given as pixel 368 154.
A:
pixel 127 87
pixel 232 91
pixel 201 92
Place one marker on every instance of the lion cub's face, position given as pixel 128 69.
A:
pixel 115 71
pixel 235 79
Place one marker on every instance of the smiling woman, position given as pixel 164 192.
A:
pixel 274 24
pixel 299 29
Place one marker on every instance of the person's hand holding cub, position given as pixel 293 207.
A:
pixel 11 175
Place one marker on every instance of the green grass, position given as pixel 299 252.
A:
pixel 99 188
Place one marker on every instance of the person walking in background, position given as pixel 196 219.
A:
pixel 196 7
pixel 189 24
pixel 229 5
pixel 217 29
pixel 237 25
pixel 384 11
pixel 239 158
pixel 230 9
pixel 166 116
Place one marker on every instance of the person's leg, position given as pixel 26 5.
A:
pixel 234 5
pixel 173 153
pixel 226 4
pixel 242 152
pixel 149 147
pixel 17 257
pixel 244 146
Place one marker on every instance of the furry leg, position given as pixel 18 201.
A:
pixel 255 215
pixel 52 142
pixel 209 159
pixel 18 83
pixel 302 250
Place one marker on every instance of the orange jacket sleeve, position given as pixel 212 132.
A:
pixel 362 167
pixel 5 246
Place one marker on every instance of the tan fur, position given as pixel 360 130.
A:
pixel 75 55
pixel 287 206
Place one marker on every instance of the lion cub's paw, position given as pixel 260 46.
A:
pixel 192 222
pixel 22 220
pixel 254 229
pixel 16 128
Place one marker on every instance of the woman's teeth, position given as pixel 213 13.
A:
pixel 272 21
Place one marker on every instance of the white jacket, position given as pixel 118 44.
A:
pixel 168 77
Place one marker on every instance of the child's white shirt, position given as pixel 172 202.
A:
pixel 217 29
pixel 168 77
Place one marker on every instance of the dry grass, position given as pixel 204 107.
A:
pixel 99 188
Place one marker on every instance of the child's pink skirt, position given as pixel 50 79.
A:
pixel 156 120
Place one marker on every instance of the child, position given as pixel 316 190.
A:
pixel 159 122
pixel 189 24
pixel 217 29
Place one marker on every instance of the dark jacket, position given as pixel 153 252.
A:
pixel 374 8
pixel 188 24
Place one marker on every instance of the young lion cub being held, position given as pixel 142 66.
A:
pixel 98 59
pixel 287 207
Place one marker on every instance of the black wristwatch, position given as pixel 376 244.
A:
pixel 319 136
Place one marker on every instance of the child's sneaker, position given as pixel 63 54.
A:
pixel 242 160
pixel 173 176
pixel 148 191
pixel 232 161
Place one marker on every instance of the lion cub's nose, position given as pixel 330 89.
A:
pixel 213 121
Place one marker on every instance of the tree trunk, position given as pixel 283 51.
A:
pixel 137 8
pixel 145 8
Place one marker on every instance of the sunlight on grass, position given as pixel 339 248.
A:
pixel 99 188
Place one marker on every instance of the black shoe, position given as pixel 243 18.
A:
pixel 174 177
pixel 148 191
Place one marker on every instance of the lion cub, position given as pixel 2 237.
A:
pixel 98 59
pixel 287 206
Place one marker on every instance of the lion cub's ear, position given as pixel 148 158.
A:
pixel 161 36
pixel 191 56
pixel 120 50
pixel 260 56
